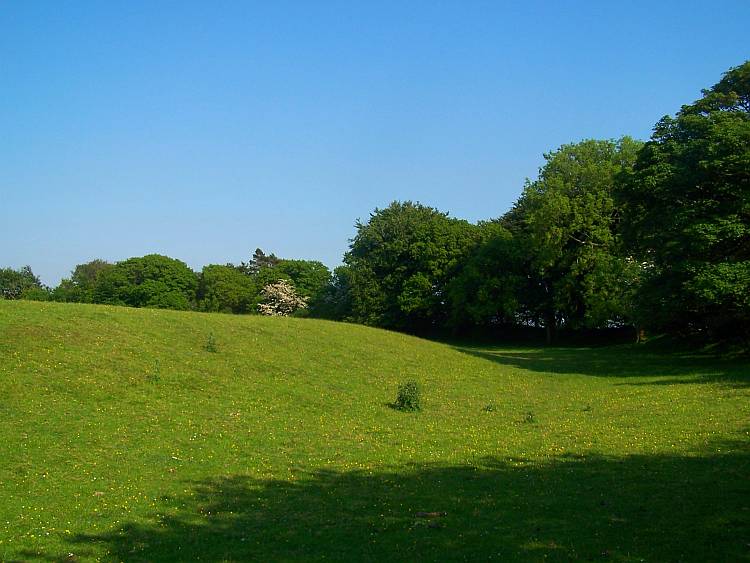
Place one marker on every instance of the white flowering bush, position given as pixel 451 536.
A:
pixel 280 299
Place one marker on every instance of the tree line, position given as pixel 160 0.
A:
pixel 166 283
pixel 612 233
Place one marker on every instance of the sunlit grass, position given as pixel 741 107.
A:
pixel 123 437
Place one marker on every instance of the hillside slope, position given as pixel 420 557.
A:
pixel 124 438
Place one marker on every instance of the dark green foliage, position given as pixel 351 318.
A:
pixel 259 261
pixel 565 226
pixel 81 286
pixel 688 214
pixel 36 293
pixel 225 289
pixel 268 275
pixel 150 281
pixel 409 397
pixel 310 277
pixel 210 345
pixel 400 263
pixel 334 301
pixel 491 287
pixel 21 284
pixel 554 259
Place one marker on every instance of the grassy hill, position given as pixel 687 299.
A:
pixel 124 438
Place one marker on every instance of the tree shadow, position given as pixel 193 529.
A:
pixel 636 508
pixel 626 361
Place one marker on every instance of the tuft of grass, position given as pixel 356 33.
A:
pixel 277 449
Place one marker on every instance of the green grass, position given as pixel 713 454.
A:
pixel 124 437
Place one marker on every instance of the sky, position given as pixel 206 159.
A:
pixel 202 130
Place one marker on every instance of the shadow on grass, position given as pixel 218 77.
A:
pixel 623 362
pixel 653 508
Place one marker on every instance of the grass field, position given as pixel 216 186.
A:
pixel 123 438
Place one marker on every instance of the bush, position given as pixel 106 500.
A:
pixel 210 345
pixel 409 397
pixel 280 299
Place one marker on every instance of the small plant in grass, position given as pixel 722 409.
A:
pixel 490 407
pixel 210 345
pixel 155 375
pixel 529 417
pixel 409 397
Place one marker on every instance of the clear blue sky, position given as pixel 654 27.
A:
pixel 203 130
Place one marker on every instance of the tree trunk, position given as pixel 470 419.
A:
pixel 550 326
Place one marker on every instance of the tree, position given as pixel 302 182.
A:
pixel 687 214
pixel 491 287
pixel 149 281
pixel 225 289
pixel 334 301
pixel 309 277
pixel 21 284
pixel 568 219
pixel 81 285
pixel 400 263
pixel 259 261
pixel 281 300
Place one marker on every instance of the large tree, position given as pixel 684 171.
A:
pixel 567 221
pixel 687 209
pixel 400 262
pixel 224 289
pixel 492 284
pixel 148 281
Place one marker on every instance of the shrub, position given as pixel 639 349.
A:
pixel 280 299
pixel 409 397
pixel 210 345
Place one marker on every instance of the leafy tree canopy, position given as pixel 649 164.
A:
pixel 400 262
pixel 568 218
pixel 688 213
pixel 489 288
pixel 259 261
pixel 309 277
pixel 224 289
pixel 21 284
pixel 81 285
pixel 149 281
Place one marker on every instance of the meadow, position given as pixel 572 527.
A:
pixel 149 435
